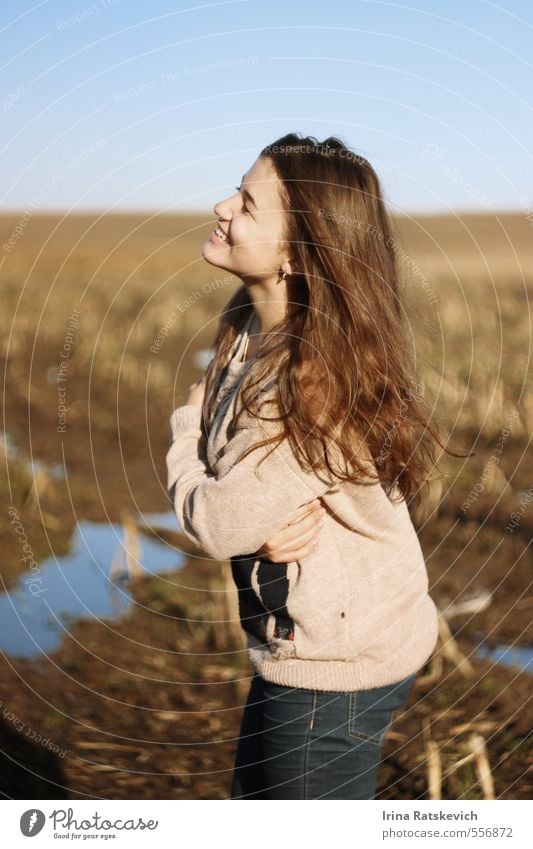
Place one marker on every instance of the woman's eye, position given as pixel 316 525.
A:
pixel 245 209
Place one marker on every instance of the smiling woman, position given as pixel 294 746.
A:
pixel 337 629
pixel 250 226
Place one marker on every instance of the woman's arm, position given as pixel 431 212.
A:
pixel 233 512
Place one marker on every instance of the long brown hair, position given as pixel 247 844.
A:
pixel 345 381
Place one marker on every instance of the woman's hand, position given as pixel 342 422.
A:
pixel 298 537
pixel 196 392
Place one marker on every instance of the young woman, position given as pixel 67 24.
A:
pixel 310 408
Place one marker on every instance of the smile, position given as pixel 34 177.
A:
pixel 220 233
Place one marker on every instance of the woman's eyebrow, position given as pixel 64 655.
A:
pixel 247 194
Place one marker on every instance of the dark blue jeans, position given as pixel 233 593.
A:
pixel 311 744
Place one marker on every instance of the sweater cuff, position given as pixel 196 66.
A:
pixel 184 418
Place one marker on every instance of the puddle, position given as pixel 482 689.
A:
pixel 91 581
pixel 520 657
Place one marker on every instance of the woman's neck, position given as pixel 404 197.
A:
pixel 253 340
pixel 265 316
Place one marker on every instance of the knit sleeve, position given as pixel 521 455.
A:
pixel 235 511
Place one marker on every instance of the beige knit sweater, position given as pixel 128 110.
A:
pixel 355 614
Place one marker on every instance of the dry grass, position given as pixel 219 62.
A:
pixel 467 284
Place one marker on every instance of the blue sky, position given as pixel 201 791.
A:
pixel 126 105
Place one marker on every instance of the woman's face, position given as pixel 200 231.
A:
pixel 252 220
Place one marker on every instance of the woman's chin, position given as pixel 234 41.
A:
pixel 210 251
pixel 213 253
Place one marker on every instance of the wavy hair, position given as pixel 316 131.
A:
pixel 345 386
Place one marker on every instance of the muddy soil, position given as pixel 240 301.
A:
pixel 149 707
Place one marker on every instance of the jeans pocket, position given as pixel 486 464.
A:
pixel 370 712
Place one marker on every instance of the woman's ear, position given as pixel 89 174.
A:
pixel 291 266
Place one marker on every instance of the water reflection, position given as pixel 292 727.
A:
pixel 520 657
pixel 35 612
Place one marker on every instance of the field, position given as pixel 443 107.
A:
pixel 101 320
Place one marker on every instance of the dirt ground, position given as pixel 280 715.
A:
pixel 150 706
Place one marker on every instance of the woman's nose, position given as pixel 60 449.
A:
pixel 221 209
pixel 225 208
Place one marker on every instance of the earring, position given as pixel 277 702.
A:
pixel 282 275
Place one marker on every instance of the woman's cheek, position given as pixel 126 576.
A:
pixel 237 236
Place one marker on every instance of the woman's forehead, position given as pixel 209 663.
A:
pixel 263 183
